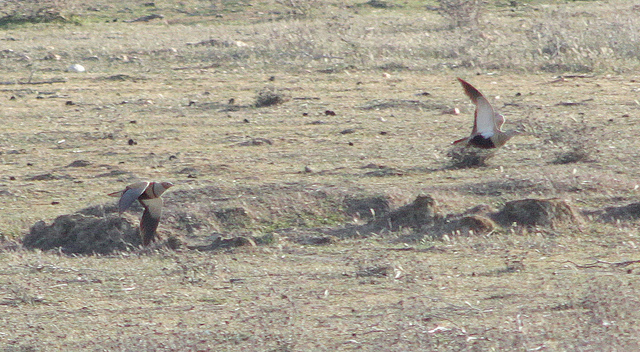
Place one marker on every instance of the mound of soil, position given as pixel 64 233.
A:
pixel 482 219
pixel 84 234
pixel 192 215
pixel 627 212
pixel 422 212
pixel 367 208
pixel 454 225
pixel 537 212
pixel 473 224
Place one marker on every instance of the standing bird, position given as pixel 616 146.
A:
pixel 486 133
pixel 148 194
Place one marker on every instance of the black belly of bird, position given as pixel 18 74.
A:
pixel 479 141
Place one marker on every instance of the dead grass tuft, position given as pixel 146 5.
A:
pixel 19 295
pixel 461 13
pixel 464 158
pixel 270 96
pixel 32 11
pixel 379 4
pixel 577 153
pixel 300 8
pixel 375 271
pixel 577 140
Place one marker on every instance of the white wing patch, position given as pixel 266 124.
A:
pixel 154 207
pixel 485 122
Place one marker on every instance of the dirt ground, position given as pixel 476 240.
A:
pixel 318 203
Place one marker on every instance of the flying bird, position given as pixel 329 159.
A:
pixel 487 123
pixel 148 194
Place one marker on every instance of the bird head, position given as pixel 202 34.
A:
pixel 160 187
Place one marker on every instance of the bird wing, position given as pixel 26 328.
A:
pixel 484 118
pixel 485 122
pixel 150 219
pixel 130 194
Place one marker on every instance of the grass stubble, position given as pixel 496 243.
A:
pixel 166 85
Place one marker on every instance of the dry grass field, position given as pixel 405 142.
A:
pixel 307 129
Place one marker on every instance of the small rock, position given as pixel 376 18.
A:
pixel 454 111
pixel 375 271
pixel 52 56
pixel 79 163
pixel 76 68
pixel 256 142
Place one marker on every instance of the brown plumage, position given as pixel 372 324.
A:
pixel 487 123
pixel 148 194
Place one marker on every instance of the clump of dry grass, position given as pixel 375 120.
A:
pixel 578 153
pixel 461 13
pixel 19 295
pixel 270 96
pixel 300 8
pixel 379 4
pixel 32 11
pixel 464 158
pixel 577 140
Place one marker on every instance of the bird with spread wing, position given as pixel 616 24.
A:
pixel 487 123
pixel 148 194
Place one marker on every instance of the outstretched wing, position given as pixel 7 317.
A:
pixel 484 121
pixel 150 219
pixel 130 194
